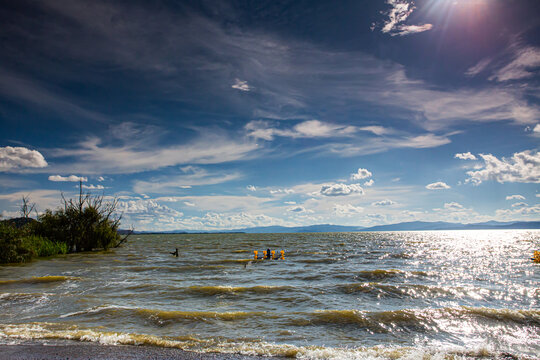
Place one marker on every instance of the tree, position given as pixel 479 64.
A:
pixel 26 207
pixel 85 223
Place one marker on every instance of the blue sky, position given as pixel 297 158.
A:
pixel 210 115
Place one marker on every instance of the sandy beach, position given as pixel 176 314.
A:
pixel 92 351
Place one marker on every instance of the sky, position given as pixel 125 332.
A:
pixel 215 115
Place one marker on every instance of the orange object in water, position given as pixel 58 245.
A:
pixel 536 257
pixel 273 254
pixel 256 252
pixel 282 255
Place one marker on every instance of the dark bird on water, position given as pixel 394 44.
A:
pixel 175 253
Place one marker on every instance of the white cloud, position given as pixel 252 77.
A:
pixel 93 187
pixel 520 205
pixel 341 190
pixel 281 191
pixel 290 202
pixel 515 197
pixel 241 85
pixel 518 213
pixel 522 167
pixel 400 11
pixel 385 202
pixel 187 203
pixel 16 158
pixel 536 130
pixel 370 182
pixel 361 174
pixel 251 188
pixel 299 210
pixel 411 29
pixel 100 178
pixel 142 153
pixel 72 178
pixel 191 176
pixel 526 61
pixel 439 185
pixel 347 209
pixel 453 206
pixel 478 68
pixel 465 156
pixel 145 207
pixel 306 129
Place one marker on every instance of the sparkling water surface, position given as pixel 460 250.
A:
pixel 357 295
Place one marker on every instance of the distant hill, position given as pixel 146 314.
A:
pixel 404 226
pixel 19 222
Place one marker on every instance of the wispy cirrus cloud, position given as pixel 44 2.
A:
pixel 140 153
pixel 190 176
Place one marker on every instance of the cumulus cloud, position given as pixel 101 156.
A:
pixel 100 178
pixel 517 213
pixel 71 178
pixel 523 167
pixel 241 85
pixel 516 197
pixel 146 207
pixel 251 188
pixel 465 156
pixel 385 202
pixel 347 209
pixel 400 11
pixel 187 203
pixel 453 206
pixel 361 174
pixel 370 182
pixel 299 210
pixel 341 190
pixel 16 158
pixel 439 185
pixel 93 187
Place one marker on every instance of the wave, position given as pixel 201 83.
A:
pixel 381 274
pixel 162 316
pixel 60 331
pixel 217 290
pixel 404 290
pixel 417 319
pixel 39 280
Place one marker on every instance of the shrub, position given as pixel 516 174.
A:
pixel 13 248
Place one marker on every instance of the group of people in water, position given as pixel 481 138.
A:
pixel 269 255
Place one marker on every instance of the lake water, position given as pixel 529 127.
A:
pixel 387 295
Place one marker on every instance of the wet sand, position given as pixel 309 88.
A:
pixel 92 351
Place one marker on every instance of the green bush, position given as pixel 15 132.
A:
pixel 13 247
pixel 41 247
pixel 82 225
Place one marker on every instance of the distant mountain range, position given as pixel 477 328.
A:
pixel 404 226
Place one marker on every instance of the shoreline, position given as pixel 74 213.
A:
pixel 85 351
